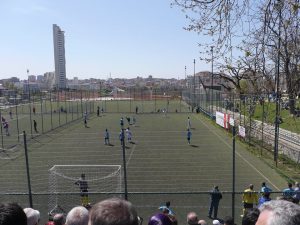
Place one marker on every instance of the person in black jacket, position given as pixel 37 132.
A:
pixel 215 197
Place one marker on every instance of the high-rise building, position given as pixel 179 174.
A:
pixel 59 57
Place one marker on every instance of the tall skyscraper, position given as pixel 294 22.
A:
pixel 59 57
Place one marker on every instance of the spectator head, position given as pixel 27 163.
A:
pixel 59 219
pixel 192 218
pixel 78 216
pixel 216 187
pixel 251 186
pixel 168 204
pixel 160 219
pixel 12 214
pixel 216 222
pixel 228 220
pixel 250 217
pixel 279 212
pixel 83 176
pixel 33 216
pixel 263 184
pixel 290 185
pixel 202 222
pixel 113 211
pixel 297 184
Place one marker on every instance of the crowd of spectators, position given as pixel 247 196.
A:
pixel 285 210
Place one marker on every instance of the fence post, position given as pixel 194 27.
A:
pixel 1 130
pixel 66 112
pixel 51 111
pixel 124 158
pixel 27 170
pixel 42 114
pixel 233 173
pixel 17 116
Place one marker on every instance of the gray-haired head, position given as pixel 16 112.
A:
pixel 113 211
pixel 78 216
pixel 279 212
pixel 192 218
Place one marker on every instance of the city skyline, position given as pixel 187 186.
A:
pixel 103 39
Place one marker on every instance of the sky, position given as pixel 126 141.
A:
pixel 125 38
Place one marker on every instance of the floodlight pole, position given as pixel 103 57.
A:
pixel 27 170
pixel 124 158
pixel 233 173
pixel 194 84
pixel 212 79
pixel 279 7
pixel 29 102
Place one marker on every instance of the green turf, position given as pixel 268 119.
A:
pixel 159 163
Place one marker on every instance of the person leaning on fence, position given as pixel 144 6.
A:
pixel 297 193
pixel 12 214
pixel 78 216
pixel 215 197
pixel 265 188
pixel 113 211
pixel 250 198
pixel 33 216
pixel 289 191
pixel 279 212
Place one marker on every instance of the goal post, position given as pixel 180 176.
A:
pixel 73 185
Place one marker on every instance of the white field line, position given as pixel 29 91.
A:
pixel 127 163
pixel 230 147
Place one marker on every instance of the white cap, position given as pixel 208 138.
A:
pixel 33 216
pixel 216 222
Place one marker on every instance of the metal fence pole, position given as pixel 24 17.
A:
pixel 51 111
pixel 65 111
pixel 27 170
pixel 1 130
pixel 124 159
pixel 17 116
pixel 42 114
pixel 233 173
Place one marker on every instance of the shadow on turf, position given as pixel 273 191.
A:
pixel 194 146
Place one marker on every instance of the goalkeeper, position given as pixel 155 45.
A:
pixel 83 187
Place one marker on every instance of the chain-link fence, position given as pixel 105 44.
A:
pixel 255 115
pixel 39 113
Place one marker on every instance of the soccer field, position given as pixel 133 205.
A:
pixel 161 166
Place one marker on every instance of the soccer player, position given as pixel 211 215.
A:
pixel 98 111
pixel 83 187
pixel 106 137
pixel 188 136
pixel 129 134
pixel 85 119
pixel 33 110
pixel 189 126
pixel 35 126
pixel 5 126
pixel 121 137
pixel 121 122
pixel 10 115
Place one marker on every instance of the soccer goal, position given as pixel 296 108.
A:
pixel 73 185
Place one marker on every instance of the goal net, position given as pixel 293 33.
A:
pixel 73 185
